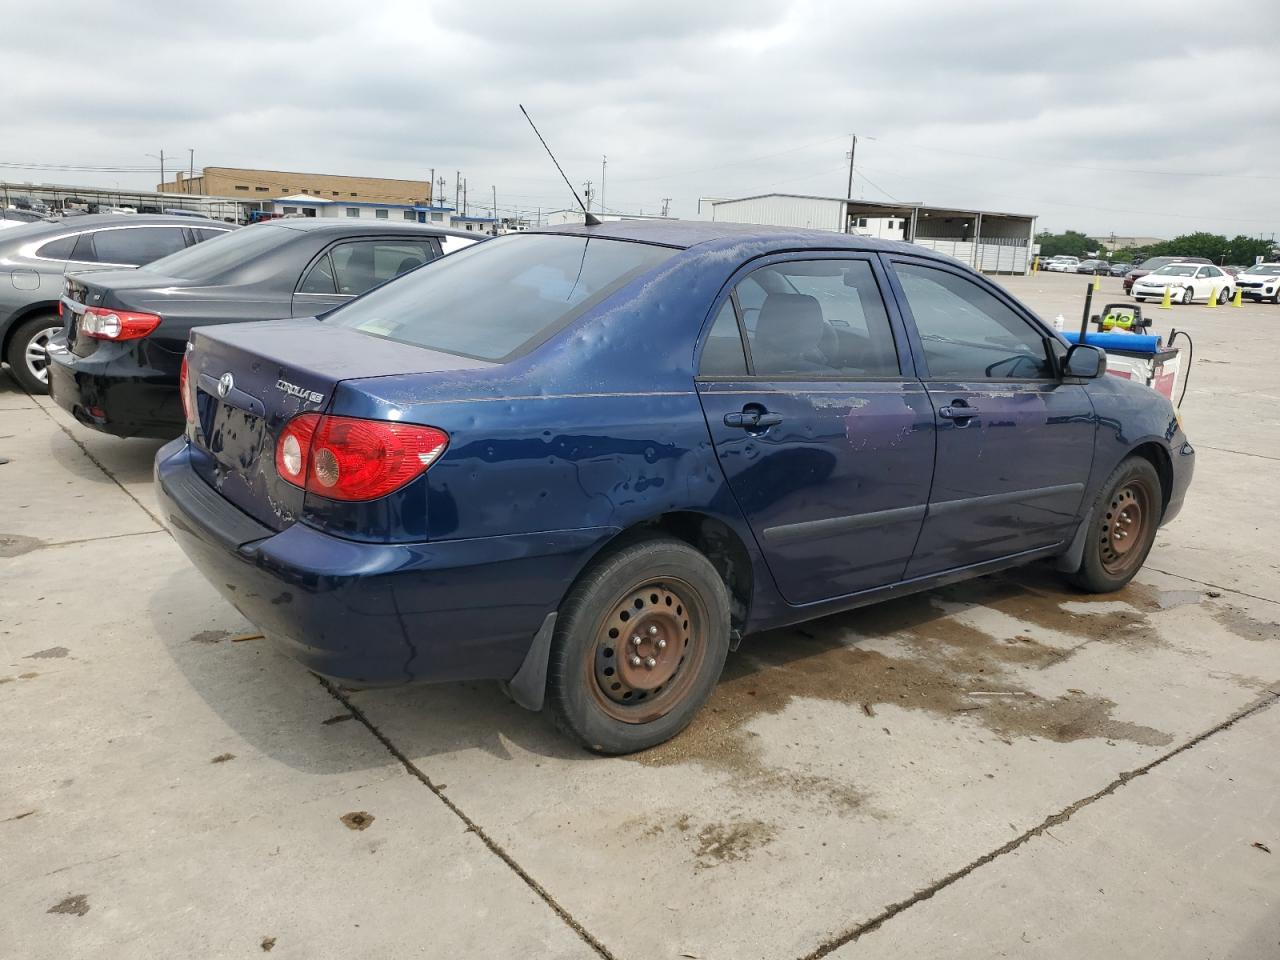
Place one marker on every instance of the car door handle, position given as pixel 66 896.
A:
pixel 752 420
pixel 959 410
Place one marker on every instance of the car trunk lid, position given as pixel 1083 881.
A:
pixel 246 391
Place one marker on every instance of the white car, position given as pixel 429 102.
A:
pixel 1187 283
pixel 1062 264
pixel 1260 282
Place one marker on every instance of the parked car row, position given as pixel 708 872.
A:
pixel 1260 282
pixel 1186 282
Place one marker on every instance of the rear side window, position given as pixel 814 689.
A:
pixel 138 245
pixel 202 235
pixel 722 354
pixel 364 264
pixel 967 333
pixel 206 262
pixel 59 249
pixel 817 318
pixel 496 299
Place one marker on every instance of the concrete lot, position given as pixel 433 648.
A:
pixel 1002 768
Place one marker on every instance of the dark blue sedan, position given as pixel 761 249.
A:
pixel 588 461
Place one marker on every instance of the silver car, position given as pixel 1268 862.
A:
pixel 35 257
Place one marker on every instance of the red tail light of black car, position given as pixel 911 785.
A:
pixel 184 389
pixel 103 324
pixel 345 458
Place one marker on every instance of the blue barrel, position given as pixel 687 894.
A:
pixel 1128 342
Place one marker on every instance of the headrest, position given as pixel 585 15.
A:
pixel 794 319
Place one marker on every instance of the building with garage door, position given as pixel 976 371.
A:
pixel 986 240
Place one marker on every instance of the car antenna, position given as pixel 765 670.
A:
pixel 592 220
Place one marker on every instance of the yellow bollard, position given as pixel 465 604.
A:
pixel 1213 297
pixel 1167 302
pixel 1097 282
pixel 1238 300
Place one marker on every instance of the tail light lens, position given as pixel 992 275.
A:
pixel 184 389
pixel 343 458
pixel 103 324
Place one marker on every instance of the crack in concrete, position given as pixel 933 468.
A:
pixel 1206 583
pixel 472 827
pixel 1238 453
pixel 1062 816
pixel 99 464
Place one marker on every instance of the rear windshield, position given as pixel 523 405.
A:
pixel 495 300
pixel 211 259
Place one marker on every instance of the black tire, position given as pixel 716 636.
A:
pixel 28 334
pixel 644 585
pixel 1141 299
pixel 1224 295
pixel 1188 294
pixel 1122 527
pixel 1275 297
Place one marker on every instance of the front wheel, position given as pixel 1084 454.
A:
pixel 1224 295
pixel 1188 295
pixel 640 643
pixel 1140 299
pixel 28 353
pixel 1122 527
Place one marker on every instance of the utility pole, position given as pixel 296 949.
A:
pixel 604 162
pixel 442 183
pixel 191 167
pixel 494 188
pixel 666 205
pixel 431 188
pixel 587 194
pixel 464 196
pixel 853 146
pixel 162 167
pixel 457 180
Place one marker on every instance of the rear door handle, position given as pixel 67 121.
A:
pixel 957 411
pixel 751 420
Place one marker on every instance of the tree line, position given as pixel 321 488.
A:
pixel 1241 250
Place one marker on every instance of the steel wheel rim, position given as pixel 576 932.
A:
pixel 1188 295
pixel 1124 528
pixel 669 619
pixel 37 353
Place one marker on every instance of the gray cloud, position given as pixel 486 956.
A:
pixel 998 105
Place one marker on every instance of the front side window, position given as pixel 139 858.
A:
pixel 513 291
pixel 823 318
pixel 138 245
pixel 967 333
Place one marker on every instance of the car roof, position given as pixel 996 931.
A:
pixel 95 220
pixel 684 234
pixel 351 225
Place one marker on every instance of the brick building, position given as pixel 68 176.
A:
pixel 246 184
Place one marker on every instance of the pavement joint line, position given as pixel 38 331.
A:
pixel 98 463
pixel 1215 586
pixel 1239 453
pixel 113 536
pixel 1268 699
pixel 472 827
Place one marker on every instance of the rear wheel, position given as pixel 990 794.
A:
pixel 1224 295
pixel 639 644
pixel 28 353
pixel 1122 527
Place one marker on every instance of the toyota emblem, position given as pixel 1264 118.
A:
pixel 225 383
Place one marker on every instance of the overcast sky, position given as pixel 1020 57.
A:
pixel 1145 118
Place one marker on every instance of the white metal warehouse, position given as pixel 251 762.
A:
pixel 989 241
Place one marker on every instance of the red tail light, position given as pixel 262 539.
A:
pixel 343 458
pixel 184 389
pixel 103 324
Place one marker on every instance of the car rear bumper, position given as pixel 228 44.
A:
pixel 112 392
pixel 375 614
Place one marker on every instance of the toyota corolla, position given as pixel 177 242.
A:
pixel 589 461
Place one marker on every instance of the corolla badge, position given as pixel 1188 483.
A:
pixel 293 390
pixel 225 383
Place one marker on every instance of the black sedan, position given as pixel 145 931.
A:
pixel 116 362
pixel 1093 266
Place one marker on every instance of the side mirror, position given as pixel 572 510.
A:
pixel 1085 361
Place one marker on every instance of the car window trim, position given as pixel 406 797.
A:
pixel 748 267
pixel 909 320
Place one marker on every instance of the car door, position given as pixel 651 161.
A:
pixel 1015 441
pixel 824 434
pixel 348 268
